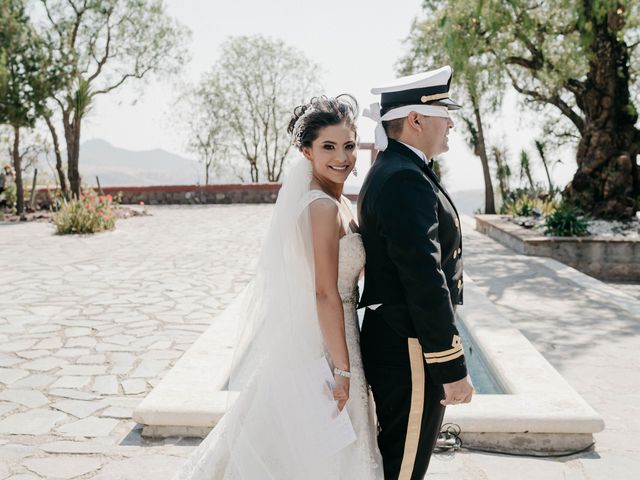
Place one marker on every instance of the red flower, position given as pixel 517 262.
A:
pixel 141 202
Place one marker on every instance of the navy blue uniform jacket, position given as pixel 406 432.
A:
pixel 413 243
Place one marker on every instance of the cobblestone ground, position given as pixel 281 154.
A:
pixel 629 288
pixel 89 324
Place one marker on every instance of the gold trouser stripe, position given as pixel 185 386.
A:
pixel 415 412
pixel 453 356
pixel 437 96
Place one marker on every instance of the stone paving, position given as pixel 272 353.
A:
pixel 89 324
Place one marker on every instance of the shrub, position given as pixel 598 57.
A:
pixel 521 207
pixel 566 221
pixel 10 196
pixel 522 203
pixel 88 214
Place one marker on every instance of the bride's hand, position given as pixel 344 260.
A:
pixel 341 391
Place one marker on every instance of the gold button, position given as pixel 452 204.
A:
pixel 457 222
pixel 455 253
pixel 460 251
pixel 459 284
pixel 424 99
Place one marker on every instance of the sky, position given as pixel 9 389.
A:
pixel 356 43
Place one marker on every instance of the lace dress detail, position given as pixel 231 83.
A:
pixel 361 459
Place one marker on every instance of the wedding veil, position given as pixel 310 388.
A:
pixel 273 429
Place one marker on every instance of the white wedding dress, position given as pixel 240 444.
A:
pixel 257 440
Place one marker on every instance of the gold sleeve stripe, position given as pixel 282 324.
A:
pixel 456 344
pixel 445 359
pixel 444 353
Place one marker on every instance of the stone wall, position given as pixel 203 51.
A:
pixel 605 258
pixel 188 194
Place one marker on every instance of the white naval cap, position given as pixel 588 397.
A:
pixel 426 93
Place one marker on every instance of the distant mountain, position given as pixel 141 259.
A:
pixel 120 167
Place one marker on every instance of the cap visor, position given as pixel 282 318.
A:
pixel 450 104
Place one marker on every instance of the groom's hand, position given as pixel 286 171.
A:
pixel 458 392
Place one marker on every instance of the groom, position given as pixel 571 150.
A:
pixel 411 350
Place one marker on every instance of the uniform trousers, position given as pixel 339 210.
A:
pixel 407 401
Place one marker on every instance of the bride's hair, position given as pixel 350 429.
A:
pixel 320 112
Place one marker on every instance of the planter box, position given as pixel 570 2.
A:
pixel 605 258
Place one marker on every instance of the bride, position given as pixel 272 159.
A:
pixel 300 307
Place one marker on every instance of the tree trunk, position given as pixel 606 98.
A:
pixel 502 172
pixel 255 174
pixel 56 150
pixel 72 137
pixel 606 182
pixel 481 151
pixel 17 167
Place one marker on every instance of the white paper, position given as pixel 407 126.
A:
pixel 317 426
pixel 340 430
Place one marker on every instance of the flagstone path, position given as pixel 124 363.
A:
pixel 89 324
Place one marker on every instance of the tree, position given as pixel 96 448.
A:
pixel 540 147
pixel 206 128
pixel 104 44
pixel 503 172
pixel 29 79
pixel 572 58
pixel 525 169
pixel 57 153
pixel 431 45
pixel 261 81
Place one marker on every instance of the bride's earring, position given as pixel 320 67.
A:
pixel 355 171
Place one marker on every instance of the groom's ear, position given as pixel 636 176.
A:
pixel 413 121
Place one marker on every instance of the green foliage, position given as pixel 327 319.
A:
pixel 88 214
pixel 28 73
pixel 29 77
pixel 503 171
pixel 4 74
pixel 478 83
pixel 558 54
pixel 566 221
pixel 103 44
pixel 527 203
pixel 525 168
pixel 9 195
